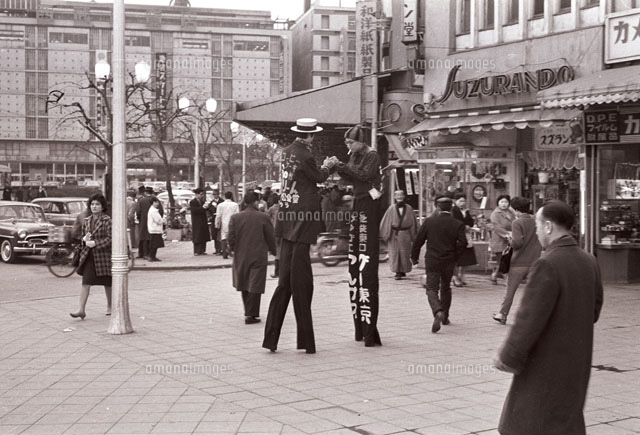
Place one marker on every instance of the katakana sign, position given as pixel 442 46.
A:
pixel 410 21
pixel 622 37
pixel 366 40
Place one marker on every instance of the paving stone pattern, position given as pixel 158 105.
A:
pixel 193 366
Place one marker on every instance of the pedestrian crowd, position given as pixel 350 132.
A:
pixel 548 348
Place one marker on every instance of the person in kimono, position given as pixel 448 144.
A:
pixel 398 228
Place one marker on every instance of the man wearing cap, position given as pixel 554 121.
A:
pixel 363 171
pixel 199 226
pixel 298 223
pixel 446 241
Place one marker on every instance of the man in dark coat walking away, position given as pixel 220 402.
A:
pixel 298 224
pixel 251 239
pixel 199 224
pixel 446 240
pixel 550 345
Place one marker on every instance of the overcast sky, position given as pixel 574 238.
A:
pixel 289 9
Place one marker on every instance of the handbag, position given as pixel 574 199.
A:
pixel 505 260
pixel 75 260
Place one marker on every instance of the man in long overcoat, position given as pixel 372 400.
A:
pixel 550 345
pixel 199 225
pixel 298 224
pixel 142 210
pixel 251 239
pixel 398 228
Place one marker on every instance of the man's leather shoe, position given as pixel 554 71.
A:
pixel 251 320
pixel 437 321
pixel 310 351
pixel 445 320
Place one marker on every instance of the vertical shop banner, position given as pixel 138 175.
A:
pixel 366 45
pixel 414 177
pixel 601 127
pixel 622 37
pixel 394 174
pixel 161 78
pixel 410 21
pixel 407 178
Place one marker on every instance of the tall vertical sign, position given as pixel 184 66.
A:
pixel 366 46
pixel 410 21
pixel 161 78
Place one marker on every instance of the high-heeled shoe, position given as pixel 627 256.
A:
pixel 457 283
pixel 76 315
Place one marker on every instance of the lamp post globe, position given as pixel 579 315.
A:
pixel 142 71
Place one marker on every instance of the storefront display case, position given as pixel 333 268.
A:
pixel 482 174
pixel 618 214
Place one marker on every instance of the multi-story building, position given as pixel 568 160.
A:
pixel 48 50
pixel 324 45
pixel 541 99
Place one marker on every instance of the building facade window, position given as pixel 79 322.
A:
pixel 324 63
pixel 324 42
pixel 487 14
pixel 324 21
pixel 351 44
pixel 513 14
pixel 538 8
pixel 324 81
pixel 565 6
pixel 624 5
pixel 464 17
pixel 351 25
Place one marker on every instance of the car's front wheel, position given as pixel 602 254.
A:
pixel 7 253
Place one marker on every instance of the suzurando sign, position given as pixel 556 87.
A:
pixel 502 84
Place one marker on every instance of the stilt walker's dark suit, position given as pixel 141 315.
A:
pixel 298 223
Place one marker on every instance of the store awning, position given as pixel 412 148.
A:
pixel 608 86
pixel 552 160
pixel 495 120
pixel 404 153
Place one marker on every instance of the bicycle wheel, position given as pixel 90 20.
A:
pixel 59 261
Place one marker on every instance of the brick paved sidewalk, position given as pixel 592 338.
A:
pixel 192 366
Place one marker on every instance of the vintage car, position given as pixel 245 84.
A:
pixel 23 230
pixel 61 211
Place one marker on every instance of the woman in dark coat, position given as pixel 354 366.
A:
pixel 95 257
pixel 468 257
pixel 199 224
pixel 251 239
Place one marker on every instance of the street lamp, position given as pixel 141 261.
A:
pixel 210 105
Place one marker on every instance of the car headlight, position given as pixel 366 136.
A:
pixel 22 234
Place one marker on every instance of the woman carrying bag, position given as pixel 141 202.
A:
pixel 526 250
pixel 95 257
pixel 501 218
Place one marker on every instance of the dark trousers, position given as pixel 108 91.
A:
pixel 364 257
pixel 143 248
pixel 296 280
pixel 214 236
pixel 224 248
pixel 153 252
pixel 251 303
pixel 439 274
pixel 199 247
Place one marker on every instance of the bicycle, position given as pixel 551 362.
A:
pixel 60 257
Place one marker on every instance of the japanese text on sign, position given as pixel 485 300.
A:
pixel 366 45
pixel 410 21
pixel 622 37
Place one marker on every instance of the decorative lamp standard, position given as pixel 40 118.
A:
pixel 120 320
pixel 210 105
